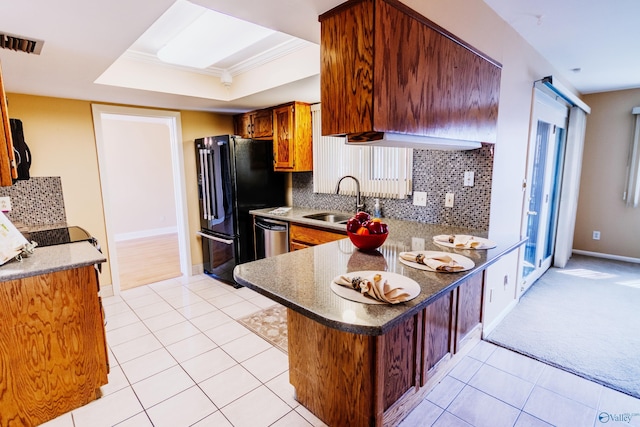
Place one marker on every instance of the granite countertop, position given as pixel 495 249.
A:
pixel 50 259
pixel 301 280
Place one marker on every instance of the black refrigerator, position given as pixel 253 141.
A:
pixel 235 175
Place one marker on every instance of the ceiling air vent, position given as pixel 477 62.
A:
pixel 20 44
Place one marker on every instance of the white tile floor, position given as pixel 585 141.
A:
pixel 179 358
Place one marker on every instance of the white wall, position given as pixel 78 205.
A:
pixel 139 170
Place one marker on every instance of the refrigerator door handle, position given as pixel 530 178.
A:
pixel 204 174
pixel 217 239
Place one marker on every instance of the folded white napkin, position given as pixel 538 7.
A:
pixel 459 241
pixel 440 262
pixel 464 241
pixel 375 287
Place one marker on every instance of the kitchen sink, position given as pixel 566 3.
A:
pixel 329 217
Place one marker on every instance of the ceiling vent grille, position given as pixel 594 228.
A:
pixel 20 44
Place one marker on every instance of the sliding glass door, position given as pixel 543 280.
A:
pixel 544 173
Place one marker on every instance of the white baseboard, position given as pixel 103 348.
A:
pixel 607 256
pixel 197 269
pixel 486 329
pixel 144 233
pixel 106 290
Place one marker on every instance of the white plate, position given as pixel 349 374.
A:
pixel 466 263
pixel 409 285
pixel 485 243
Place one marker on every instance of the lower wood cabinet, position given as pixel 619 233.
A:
pixel 359 380
pixel 53 353
pixel 301 237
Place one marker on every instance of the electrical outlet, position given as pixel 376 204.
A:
pixel 417 244
pixel 419 198
pixel 5 204
pixel 469 178
pixel 448 200
pixel 596 235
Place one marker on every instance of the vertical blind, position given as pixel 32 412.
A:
pixel 382 171
pixel 632 188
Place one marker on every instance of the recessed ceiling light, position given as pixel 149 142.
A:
pixel 210 38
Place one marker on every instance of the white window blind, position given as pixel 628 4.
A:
pixel 382 171
pixel 632 188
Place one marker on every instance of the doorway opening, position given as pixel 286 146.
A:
pixel 143 188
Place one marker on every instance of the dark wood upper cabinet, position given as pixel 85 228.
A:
pixel 386 68
pixel 8 170
pixel 255 124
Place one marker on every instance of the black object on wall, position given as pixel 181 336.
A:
pixel 20 148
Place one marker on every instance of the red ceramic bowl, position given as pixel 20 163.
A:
pixel 367 242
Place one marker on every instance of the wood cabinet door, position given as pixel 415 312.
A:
pixel 404 74
pixel 262 124
pixel 439 324
pixel 283 138
pixel 243 125
pixel 8 169
pixel 428 84
pixel 469 309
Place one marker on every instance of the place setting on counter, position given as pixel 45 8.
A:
pixel 383 287
pixel 375 287
pixel 463 241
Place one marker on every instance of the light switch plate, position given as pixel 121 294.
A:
pixel 419 198
pixel 469 178
pixel 5 204
pixel 448 200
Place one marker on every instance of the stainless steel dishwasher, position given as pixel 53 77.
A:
pixel 271 237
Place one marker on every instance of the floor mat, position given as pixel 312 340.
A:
pixel 270 324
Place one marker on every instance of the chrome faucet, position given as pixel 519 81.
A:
pixel 359 204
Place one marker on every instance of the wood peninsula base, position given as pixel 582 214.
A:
pixel 361 380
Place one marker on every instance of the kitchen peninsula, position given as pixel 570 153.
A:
pixel 53 355
pixel 366 364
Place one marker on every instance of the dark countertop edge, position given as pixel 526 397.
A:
pixel 383 329
pixel 21 272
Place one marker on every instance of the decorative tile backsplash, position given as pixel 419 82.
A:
pixel 434 172
pixel 36 201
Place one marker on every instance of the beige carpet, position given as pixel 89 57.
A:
pixel 270 324
pixel 583 319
